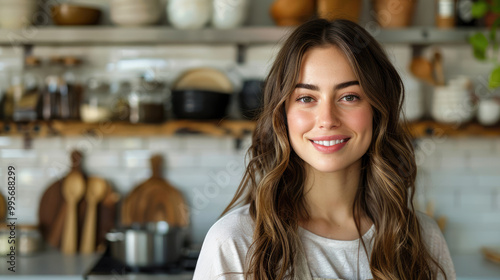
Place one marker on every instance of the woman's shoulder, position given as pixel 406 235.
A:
pixel 236 225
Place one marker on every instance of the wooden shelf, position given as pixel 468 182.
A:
pixel 88 35
pixel 232 128
pixel 433 129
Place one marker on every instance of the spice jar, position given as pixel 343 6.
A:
pixel 445 17
pixel 147 101
pixel 96 103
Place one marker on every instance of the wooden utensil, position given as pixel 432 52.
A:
pixel 422 69
pixel 438 68
pixel 155 200
pixel 73 190
pixel 52 209
pixel 3 208
pixel 96 191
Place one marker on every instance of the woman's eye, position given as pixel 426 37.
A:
pixel 305 99
pixel 350 98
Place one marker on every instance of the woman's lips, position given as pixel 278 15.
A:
pixel 329 146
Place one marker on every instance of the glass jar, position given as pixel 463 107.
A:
pixel 29 241
pixel 96 102
pixel 54 102
pixel 27 107
pixel 120 101
pixel 147 101
pixel 73 85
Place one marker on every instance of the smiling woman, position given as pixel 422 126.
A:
pixel 328 190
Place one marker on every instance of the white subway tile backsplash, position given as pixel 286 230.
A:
pixel 18 157
pixel 122 143
pixel 203 143
pixel 475 145
pixel 182 159
pixel 136 158
pixel 11 142
pixel 484 161
pixel 455 163
pixel 102 159
pixel 52 143
pixel 165 144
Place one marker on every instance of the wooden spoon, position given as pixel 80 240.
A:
pixel 96 191
pixel 73 190
pixel 422 69
pixel 438 68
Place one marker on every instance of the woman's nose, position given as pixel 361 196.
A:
pixel 327 115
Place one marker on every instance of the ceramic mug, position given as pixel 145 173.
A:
pixel 488 112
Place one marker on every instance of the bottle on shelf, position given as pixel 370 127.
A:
pixel 445 16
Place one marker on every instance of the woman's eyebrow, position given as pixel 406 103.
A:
pixel 337 87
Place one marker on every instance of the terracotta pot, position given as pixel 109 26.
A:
pixel 394 13
pixel 291 12
pixel 339 9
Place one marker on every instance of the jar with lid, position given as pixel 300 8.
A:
pixel 120 103
pixel 29 240
pixel 147 101
pixel 96 102
pixel 445 16
pixel 72 86
pixel 55 102
pixel 29 107
pixel 13 93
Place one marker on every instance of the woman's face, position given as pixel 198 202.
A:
pixel 329 117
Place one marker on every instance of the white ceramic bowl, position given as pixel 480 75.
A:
pixel 189 14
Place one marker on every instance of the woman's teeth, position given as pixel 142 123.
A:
pixel 329 143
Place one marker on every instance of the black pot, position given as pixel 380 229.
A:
pixel 199 104
pixel 250 98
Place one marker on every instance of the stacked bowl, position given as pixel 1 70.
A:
pixel 17 13
pixel 135 13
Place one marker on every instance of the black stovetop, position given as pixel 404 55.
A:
pixel 107 265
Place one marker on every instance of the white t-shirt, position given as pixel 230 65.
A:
pixel 228 240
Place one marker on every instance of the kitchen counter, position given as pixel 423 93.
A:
pixel 49 264
pixel 52 264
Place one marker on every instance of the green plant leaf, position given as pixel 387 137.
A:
pixel 493 32
pixel 479 9
pixel 495 78
pixel 495 6
pixel 479 44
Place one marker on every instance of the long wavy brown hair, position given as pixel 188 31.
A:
pixel 273 184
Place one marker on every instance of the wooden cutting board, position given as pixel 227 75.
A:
pixel 3 208
pixel 155 200
pixel 52 211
